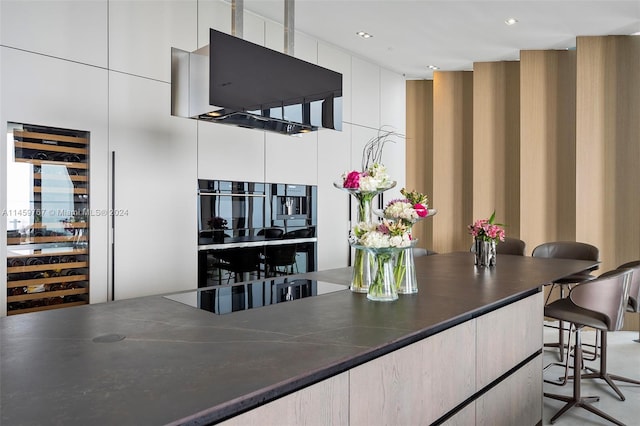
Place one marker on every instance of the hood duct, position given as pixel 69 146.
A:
pixel 233 81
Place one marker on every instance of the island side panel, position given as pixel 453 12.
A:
pixel 324 403
pixel 418 383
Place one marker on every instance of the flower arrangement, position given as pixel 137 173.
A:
pixel 217 222
pixel 381 235
pixel 487 229
pixel 372 179
pixel 413 207
pixel 373 175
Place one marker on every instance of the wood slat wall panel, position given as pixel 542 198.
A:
pixel 419 150
pixel 496 143
pixel 547 167
pixel 452 159
pixel 608 146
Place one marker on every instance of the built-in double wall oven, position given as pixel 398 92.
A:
pixel 254 230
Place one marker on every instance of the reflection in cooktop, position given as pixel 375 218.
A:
pixel 240 297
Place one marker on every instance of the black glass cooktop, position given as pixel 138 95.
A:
pixel 243 296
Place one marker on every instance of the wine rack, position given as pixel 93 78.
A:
pixel 47 219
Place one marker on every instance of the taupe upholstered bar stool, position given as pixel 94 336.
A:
pixel 602 373
pixel 634 291
pixel 511 245
pixel 567 250
pixel 598 303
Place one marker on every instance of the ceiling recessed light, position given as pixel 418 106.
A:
pixel 433 67
pixel 363 34
pixel 511 21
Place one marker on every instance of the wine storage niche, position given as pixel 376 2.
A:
pixel 47 218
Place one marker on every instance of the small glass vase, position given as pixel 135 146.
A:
pixel 404 272
pixel 383 285
pixel 485 253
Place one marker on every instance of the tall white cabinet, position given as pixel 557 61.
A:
pixel 104 66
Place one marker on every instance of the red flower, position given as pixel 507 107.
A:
pixel 352 180
pixel 420 210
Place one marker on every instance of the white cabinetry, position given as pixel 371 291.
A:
pixel 141 34
pixel 230 153
pixel 156 186
pixel 333 160
pixel 73 30
pixel 365 93
pixel 292 159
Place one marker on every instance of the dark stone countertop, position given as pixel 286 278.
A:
pixel 178 364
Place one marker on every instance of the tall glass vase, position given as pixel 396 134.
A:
pixel 404 272
pixel 364 262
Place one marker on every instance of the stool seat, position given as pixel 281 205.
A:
pixel 566 310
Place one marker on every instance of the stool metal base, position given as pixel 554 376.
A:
pixel 577 400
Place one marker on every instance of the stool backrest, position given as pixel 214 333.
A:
pixel 511 246
pixel 606 295
pixel 569 250
pixel 634 286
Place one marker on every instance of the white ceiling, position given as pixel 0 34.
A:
pixel 452 34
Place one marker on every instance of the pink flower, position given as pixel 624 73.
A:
pixel 486 229
pixel 352 180
pixel 420 210
pixel 383 228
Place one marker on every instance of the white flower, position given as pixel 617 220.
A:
pixel 369 183
pixel 400 241
pixel 380 235
pixel 379 172
pixel 400 209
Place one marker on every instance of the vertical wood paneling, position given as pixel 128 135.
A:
pixel 419 154
pixel 520 335
pixel 547 152
pixel 409 386
pixel 496 142
pixel 608 146
pixel 515 401
pixel 452 159
pixel 325 403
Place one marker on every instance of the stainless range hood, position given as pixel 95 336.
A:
pixel 233 81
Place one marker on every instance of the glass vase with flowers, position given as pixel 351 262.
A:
pixel 486 235
pixel 364 185
pixel 409 210
pixel 384 241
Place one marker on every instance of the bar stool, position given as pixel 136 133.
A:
pixel 602 373
pixel 566 250
pixel 511 245
pixel 634 291
pixel 597 303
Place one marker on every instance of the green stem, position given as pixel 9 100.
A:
pixel 400 268
pixel 377 287
pixel 364 206
pixel 358 266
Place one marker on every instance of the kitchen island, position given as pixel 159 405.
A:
pixel 467 346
